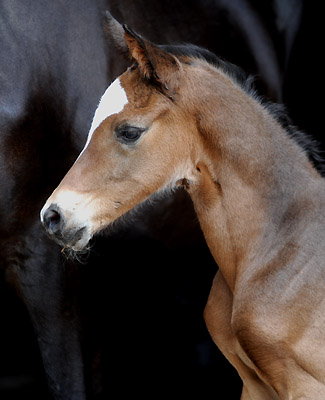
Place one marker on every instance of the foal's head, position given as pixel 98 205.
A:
pixel 142 140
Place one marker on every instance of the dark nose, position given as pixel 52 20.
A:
pixel 53 220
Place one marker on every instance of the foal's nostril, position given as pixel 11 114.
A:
pixel 52 220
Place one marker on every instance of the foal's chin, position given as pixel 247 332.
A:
pixel 73 241
pixel 80 245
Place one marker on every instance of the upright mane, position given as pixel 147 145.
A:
pixel 246 81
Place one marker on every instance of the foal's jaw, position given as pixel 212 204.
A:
pixel 71 218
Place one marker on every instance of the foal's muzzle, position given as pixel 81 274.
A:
pixel 55 223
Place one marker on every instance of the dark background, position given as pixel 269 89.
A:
pixel 141 306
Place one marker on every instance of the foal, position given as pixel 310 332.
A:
pixel 175 119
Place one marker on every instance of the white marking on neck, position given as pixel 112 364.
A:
pixel 112 102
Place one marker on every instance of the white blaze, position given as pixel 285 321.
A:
pixel 112 102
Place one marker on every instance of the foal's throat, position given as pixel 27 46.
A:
pixel 231 220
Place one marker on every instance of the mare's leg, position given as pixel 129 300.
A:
pixel 33 265
pixel 217 315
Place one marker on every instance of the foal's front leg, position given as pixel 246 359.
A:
pixel 217 316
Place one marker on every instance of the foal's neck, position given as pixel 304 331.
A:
pixel 249 178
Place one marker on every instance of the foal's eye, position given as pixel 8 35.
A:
pixel 128 134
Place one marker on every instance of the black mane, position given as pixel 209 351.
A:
pixel 246 81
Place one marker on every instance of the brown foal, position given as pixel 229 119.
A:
pixel 173 119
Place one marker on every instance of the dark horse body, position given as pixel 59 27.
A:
pixel 55 64
pixel 45 56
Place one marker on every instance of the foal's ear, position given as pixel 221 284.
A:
pixel 115 34
pixel 157 66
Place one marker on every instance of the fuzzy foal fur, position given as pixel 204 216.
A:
pixel 259 200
